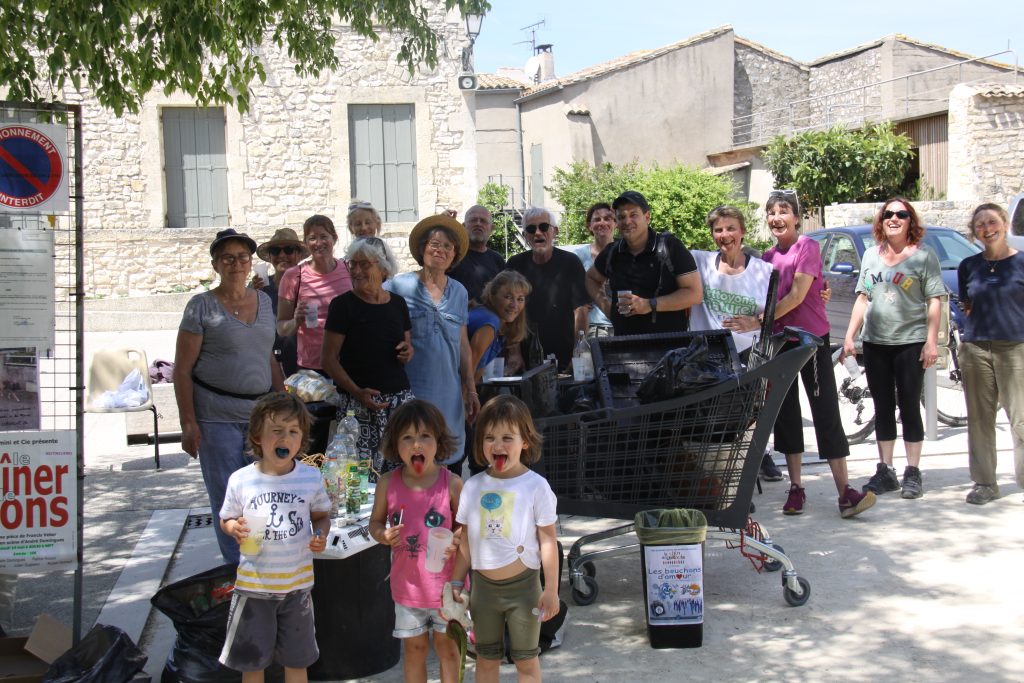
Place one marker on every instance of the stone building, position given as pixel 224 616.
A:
pixel 160 183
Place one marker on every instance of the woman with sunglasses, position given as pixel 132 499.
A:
pixel 283 251
pixel 991 288
pixel 797 259
pixel 899 301
pixel 306 291
pixel 441 371
pixel 223 362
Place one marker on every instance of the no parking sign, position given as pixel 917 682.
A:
pixel 33 168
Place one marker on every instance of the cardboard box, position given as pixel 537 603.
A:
pixel 25 660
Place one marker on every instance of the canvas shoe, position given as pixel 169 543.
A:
pixel 983 493
pixel 795 502
pixel 912 486
pixel 853 503
pixel 882 481
pixel 769 470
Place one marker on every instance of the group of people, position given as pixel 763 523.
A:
pixel 405 351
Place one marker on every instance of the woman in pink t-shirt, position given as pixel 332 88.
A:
pixel 311 283
pixel 798 262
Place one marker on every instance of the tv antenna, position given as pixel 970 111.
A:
pixel 532 28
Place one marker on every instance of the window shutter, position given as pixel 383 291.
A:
pixel 195 167
pixel 382 140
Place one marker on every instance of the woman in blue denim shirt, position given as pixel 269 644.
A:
pixel 441 369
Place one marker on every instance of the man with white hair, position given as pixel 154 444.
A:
pixel 480 264
pixel 557 307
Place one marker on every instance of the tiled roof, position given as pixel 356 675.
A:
pixel 905 39
pixel 632 59
pixel 1000 90
pixel 496 82
pixel 768 51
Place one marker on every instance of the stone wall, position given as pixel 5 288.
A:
pixel 986 142
pixel 948 214
pixel 287 158
pixel 841 74
pixel 765 84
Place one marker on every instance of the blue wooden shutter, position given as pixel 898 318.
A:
pixel 195 167
pixel 382 146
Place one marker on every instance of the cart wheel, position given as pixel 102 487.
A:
pixel 792 598
pixel 588 569
pixel 588 596
pixel 770 563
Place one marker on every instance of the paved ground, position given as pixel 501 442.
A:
pixel 923 590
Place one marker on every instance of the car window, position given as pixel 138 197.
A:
pixel 950 247
pixel 822 239
pixel 841 250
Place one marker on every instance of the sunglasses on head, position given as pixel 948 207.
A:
pixel 902 215
pixel 287 251
pixel 543 227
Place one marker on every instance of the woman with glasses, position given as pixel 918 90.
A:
pixel 797 259
pixel 306 291
pixel 223 362
pixel 367 344
pixel 363 219
pixel 441 371
pixel 283 251
pixel 899 302
pixel 991 288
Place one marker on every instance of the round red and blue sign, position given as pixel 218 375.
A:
pixel 31 168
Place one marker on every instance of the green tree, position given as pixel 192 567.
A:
pixel 680 197
pixel 504 239
pixel 209 49
pixel 840 165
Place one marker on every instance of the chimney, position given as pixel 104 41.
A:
pixel 547 62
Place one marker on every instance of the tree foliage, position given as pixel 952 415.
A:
pixel 209 49
pixel 840 165
pixel 505 238
pixel 680 197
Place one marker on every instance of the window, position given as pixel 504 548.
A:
pixel 841 250
pixel 382 150
pixel 195 167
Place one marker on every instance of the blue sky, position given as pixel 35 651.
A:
pixel 587 33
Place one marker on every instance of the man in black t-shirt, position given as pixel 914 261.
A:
pixel 557 306
pixel 657 269
pixel 480 264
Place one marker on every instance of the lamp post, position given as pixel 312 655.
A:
pixel 473 23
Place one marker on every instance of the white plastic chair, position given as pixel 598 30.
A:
pixel 108 370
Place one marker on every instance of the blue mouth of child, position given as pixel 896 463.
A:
pixel 281 452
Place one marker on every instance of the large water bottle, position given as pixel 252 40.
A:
pixel 582 360
pixel 349 425
pixel 333 475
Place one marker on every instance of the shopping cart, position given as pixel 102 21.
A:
pixel 701 451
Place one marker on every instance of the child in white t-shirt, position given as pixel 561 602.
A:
pixel 271 609
pixel 509 514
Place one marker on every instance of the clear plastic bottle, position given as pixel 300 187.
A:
pixel 852 367
pixel 349 425
pixel 333 474
pixel 582 360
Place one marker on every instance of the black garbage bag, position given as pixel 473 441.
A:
pixel 105 655
pixel 684 371
pixel 198 606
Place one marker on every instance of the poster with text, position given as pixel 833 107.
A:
pixel 675 584
pixel 38 501
pixel 19 389
pixel 26 289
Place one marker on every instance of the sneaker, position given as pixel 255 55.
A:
pixel 983 493
pixel 912 486
pixel 853 503
pixel 882 481
pixel 795 502
pixel 769 471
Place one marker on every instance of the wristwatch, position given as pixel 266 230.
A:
pixel 653 301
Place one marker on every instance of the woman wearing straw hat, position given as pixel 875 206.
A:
pixel 441 371
pixel 283 251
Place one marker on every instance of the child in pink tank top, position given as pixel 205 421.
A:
pixel 411 502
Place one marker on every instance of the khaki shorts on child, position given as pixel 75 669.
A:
pixel 262 630
pixel 511 601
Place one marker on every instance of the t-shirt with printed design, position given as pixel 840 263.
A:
pixel 897 311
pixel 726 296
pixel 501 518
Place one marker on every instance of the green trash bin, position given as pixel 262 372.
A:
pixel 672 563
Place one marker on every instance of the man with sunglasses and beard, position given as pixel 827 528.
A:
pixel 557 307
pixel 653 278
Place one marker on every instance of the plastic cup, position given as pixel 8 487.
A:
pixel 438 541
pixel 263 270
pixel 311 317
pixel 623 305
pixel 253 543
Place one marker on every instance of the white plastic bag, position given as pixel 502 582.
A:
pixel 131 394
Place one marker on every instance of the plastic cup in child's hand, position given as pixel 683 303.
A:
pixel 253 543
pixel 438 541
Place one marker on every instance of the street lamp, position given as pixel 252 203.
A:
pixel 473 23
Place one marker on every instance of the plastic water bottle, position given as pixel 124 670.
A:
pixel 582 360
pixel 349 425
pixel 851 367
pixel 333 475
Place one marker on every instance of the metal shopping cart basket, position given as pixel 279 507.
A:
pixel 702 451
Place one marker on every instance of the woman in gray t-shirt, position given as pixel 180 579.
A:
pixel 899 303
pixel 224 361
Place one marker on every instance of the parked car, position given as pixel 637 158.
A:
pixel 1016 235
pixel 841 252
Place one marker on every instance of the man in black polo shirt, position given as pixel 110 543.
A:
pixel 480 264
pixel 657 269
